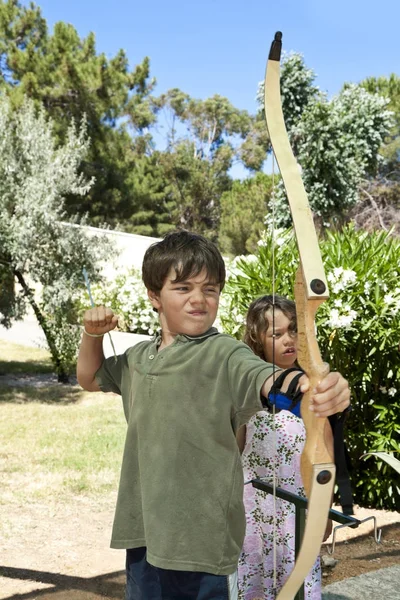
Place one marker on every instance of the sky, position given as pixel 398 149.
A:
pixel 221 47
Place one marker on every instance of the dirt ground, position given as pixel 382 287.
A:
pixel 362 554
pixel 60 551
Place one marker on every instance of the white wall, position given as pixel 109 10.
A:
pixel 131 248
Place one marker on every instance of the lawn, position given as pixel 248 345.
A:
pixel 16 359
pixel 55 440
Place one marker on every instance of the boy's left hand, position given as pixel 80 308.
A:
pixel 331 396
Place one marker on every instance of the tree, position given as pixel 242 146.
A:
pixel 136 187
pixel 297 89
pixel 66 75
pixel 204 140
pixel 39 252
pixel 379 202
pixel 153 215
pixel 389 88
pixel 336 142
pixel 243 211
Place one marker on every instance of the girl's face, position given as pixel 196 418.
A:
pixel 285 341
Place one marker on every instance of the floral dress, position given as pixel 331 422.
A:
pixel 264 446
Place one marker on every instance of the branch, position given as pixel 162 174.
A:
pixel 375 206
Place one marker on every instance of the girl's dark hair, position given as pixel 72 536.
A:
pixel 188 253
pixel 257 321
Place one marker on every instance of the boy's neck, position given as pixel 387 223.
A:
pixel 167 338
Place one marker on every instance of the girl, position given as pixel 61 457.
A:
pixel 269 446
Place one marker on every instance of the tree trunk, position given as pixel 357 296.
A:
pixel 55 356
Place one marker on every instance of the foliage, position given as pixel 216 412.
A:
pixel 297 89
pixel 196 187
pixel 66 75
pixel 243 211
pixel 336 142
pixel 389 87
pixel 44 255
pixel 137 187
pixel 153 209
pixel 337 145
pixel 358 332
pixel 378 206
pixel 204 139
pixel 142 189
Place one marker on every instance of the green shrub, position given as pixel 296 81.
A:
pixel 358 333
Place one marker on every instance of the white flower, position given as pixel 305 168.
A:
pixel 344 319
pixel 334 318
pixel 349 276
pixel 280 240
pixel 341 278
pixel 335 274
pixel 388 298
pixel 338 287
pixel 392 391
pixel 250 258
pixel 383 389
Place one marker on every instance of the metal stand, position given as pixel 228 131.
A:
pixel 300 504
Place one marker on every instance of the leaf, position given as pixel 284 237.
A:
pixel 388 458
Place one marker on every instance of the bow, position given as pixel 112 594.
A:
pixel 317 462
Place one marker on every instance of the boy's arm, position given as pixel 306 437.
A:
pixel 332 394
pixel 96 322
pixel 90 359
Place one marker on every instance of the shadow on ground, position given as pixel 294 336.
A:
pixel 66 587
pixel 22 367
pixel 18 392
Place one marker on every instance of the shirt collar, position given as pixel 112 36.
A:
pixel 183 337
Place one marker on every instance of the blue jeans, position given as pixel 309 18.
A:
pixel 146 582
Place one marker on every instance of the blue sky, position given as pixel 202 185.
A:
pixel 217 46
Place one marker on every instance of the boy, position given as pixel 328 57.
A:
pixel 180 513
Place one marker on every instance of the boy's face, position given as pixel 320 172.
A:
pixel 285 341
pixel 189 307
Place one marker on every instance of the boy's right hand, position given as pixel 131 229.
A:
pixel 99 320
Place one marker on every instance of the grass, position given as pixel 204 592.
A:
pixel 56 440
pixel 16 359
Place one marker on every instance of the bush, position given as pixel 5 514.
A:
pixel 358 333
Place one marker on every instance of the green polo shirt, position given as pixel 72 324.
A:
pixel 181 486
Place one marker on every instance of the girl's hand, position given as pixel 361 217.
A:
pixel 99 320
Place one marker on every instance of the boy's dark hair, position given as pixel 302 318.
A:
pixel 257 321
pixel 188 253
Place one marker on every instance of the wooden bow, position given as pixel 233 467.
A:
pixel 311 289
